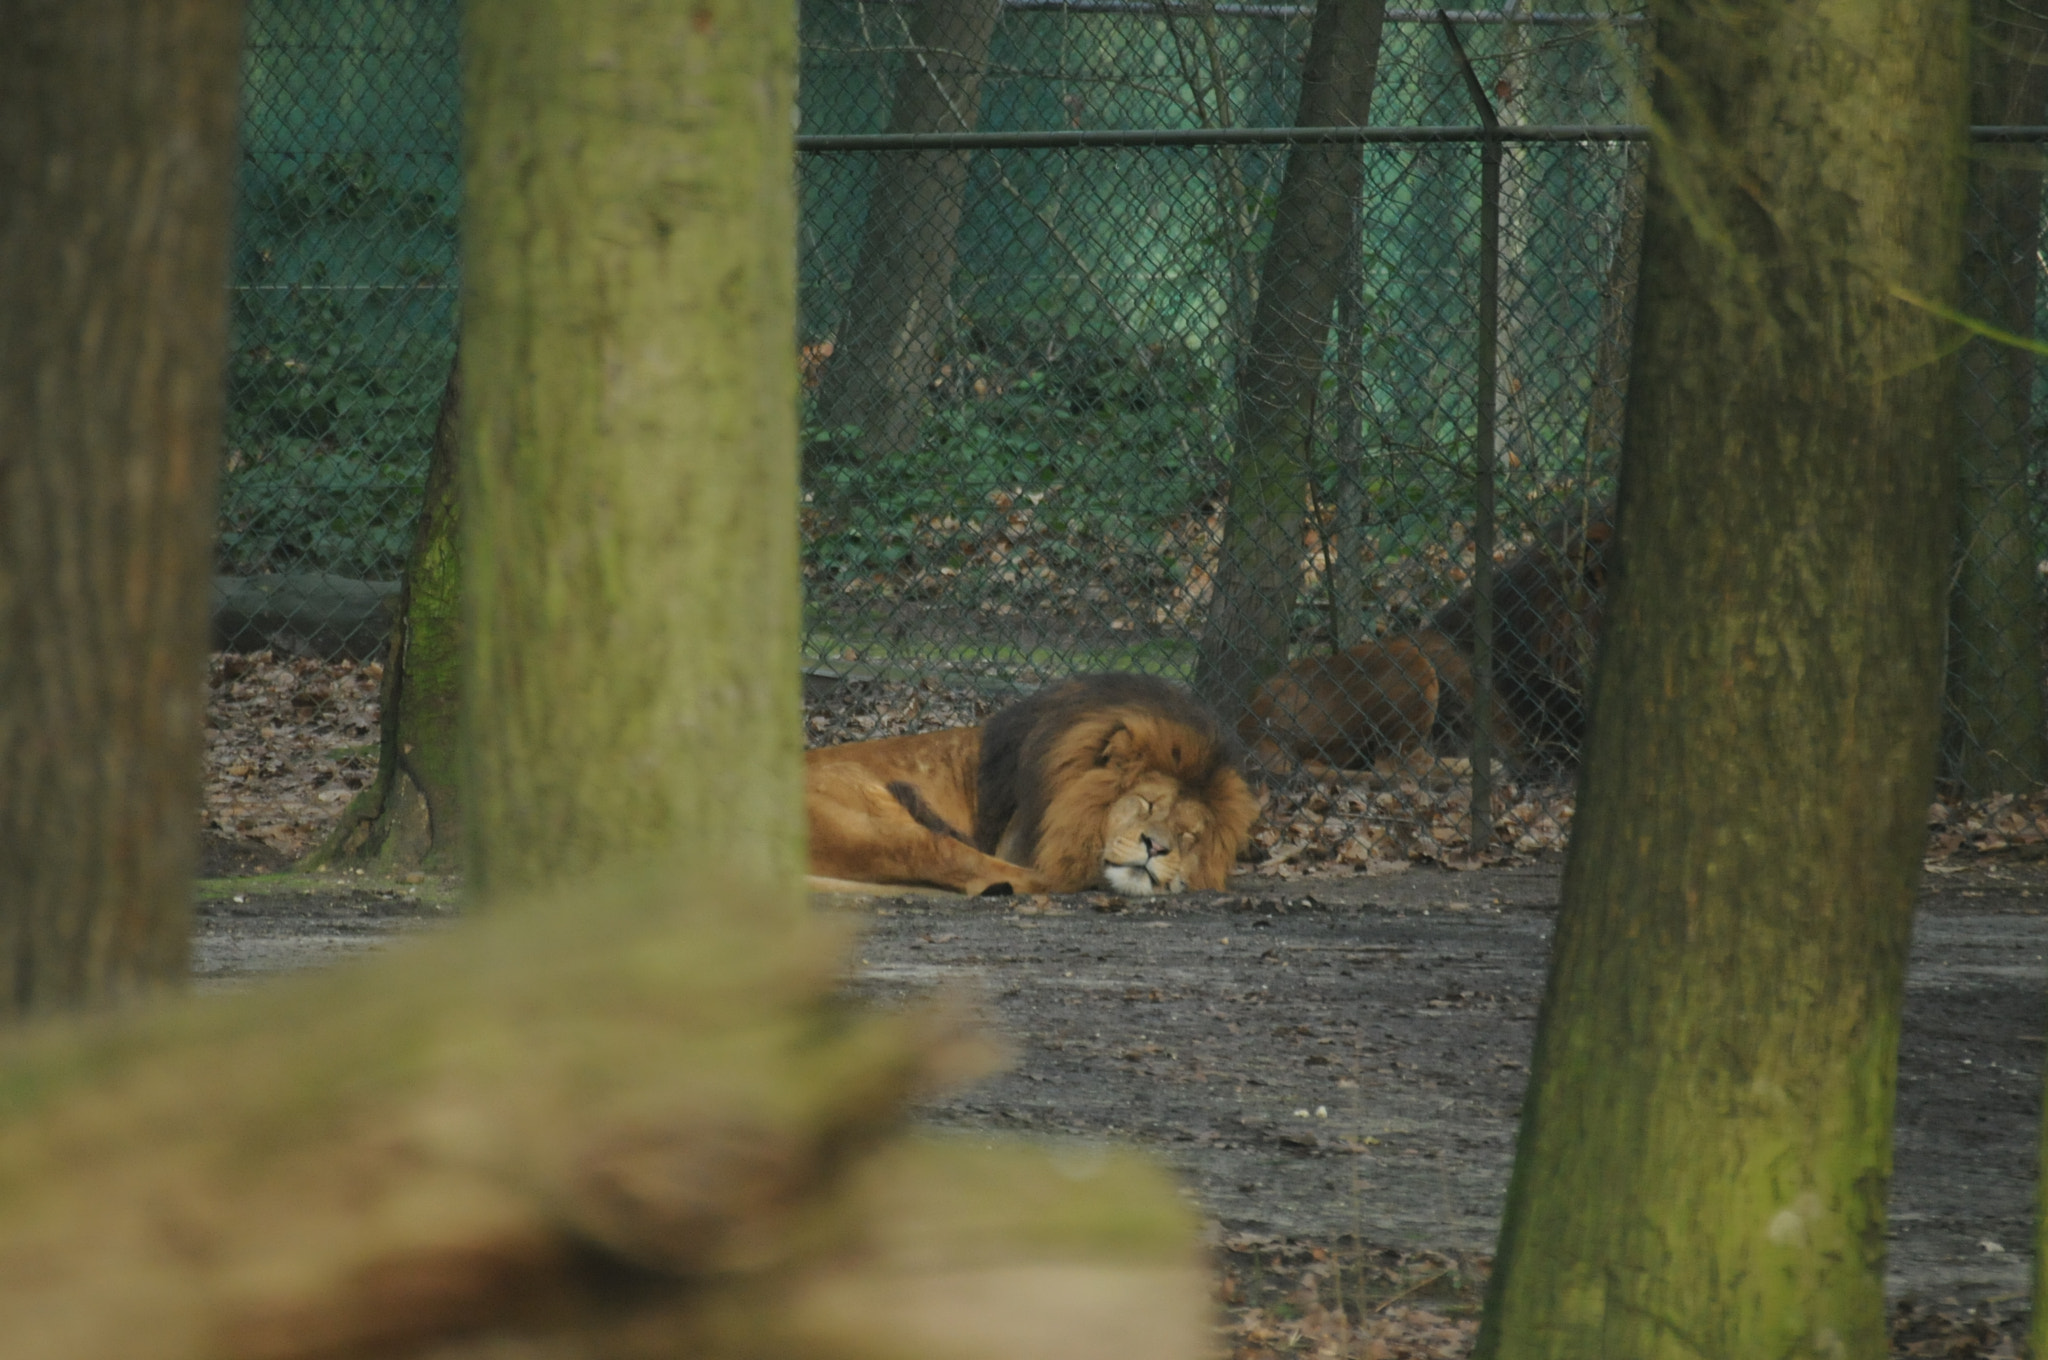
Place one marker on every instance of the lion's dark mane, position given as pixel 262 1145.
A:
pixel 1019 744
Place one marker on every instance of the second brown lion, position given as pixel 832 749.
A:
pixel 1413 691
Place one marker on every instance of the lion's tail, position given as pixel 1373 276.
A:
pixel 913 802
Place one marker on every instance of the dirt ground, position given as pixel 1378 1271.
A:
pixel 1341 1063
pixel 1331 1054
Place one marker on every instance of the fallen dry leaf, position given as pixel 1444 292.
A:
pixel 288 742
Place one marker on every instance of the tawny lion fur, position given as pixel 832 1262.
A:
pixel 1414 691
pixel 1345 710
pixel 1121 781
pixel 1390 697
pixel 1547 610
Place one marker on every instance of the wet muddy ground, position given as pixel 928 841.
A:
pixel 1344 1059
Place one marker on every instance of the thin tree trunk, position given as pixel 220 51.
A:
pixel 889 341
pixel 1259 573
pixel 632 552
pixel 117 154
pixel 410 815
pixel 1607 401
pixel 1996 739
pixel 1707 1138
pixel 1344 542
pixel 1206 76
pixel 1514 93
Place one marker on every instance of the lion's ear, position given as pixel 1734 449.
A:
pixel 1117 747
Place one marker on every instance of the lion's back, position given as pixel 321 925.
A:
pixel 1547 602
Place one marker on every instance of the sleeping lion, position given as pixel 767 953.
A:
pixel 1118 781
pixel 1414 691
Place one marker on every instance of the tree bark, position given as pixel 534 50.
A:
pixel 634 1116
pixel 117 154
pixel 630 494
pixel 889 341
pixel 1996 738
pixel 1258 575
pixel 1707 1139
pixel 1344 539
pixel 410 815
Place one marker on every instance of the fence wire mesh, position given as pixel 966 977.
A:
pixel 1029 410
pixel 343 314
pixel 1060 502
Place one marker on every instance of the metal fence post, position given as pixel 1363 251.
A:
pixel 1483 448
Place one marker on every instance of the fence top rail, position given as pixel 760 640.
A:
pixel 1154 9
pixel 1256 136
pixel 1241 136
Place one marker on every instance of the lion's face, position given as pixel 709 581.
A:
pixel 1151 837
pixel 1123 781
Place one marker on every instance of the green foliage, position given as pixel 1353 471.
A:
pixel 344 271
pixel 327 437
pixel 301 508
pixel 1067 492
pixel 1044 461
pixel 333 393
pixel 347 187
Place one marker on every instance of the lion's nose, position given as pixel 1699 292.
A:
pixel 1154 848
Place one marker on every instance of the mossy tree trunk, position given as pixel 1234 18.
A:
pixel 117 154
pixel 632 1114
pixel 630 496
pixel 409 816
pixel 1996 739
pixel 888 344
pixel 1706 1142
pixel 1258 576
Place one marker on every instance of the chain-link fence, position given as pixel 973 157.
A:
pixel 343 314
pixel 1039 350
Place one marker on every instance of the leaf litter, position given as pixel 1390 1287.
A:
pixel 288 742
pixel 1350 1301
pixel 290 739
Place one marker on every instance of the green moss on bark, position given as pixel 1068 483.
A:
pixel 630 482
pixel 409 816
pixel 1707 1140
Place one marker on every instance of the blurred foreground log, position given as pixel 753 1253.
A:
pixel 631 1124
